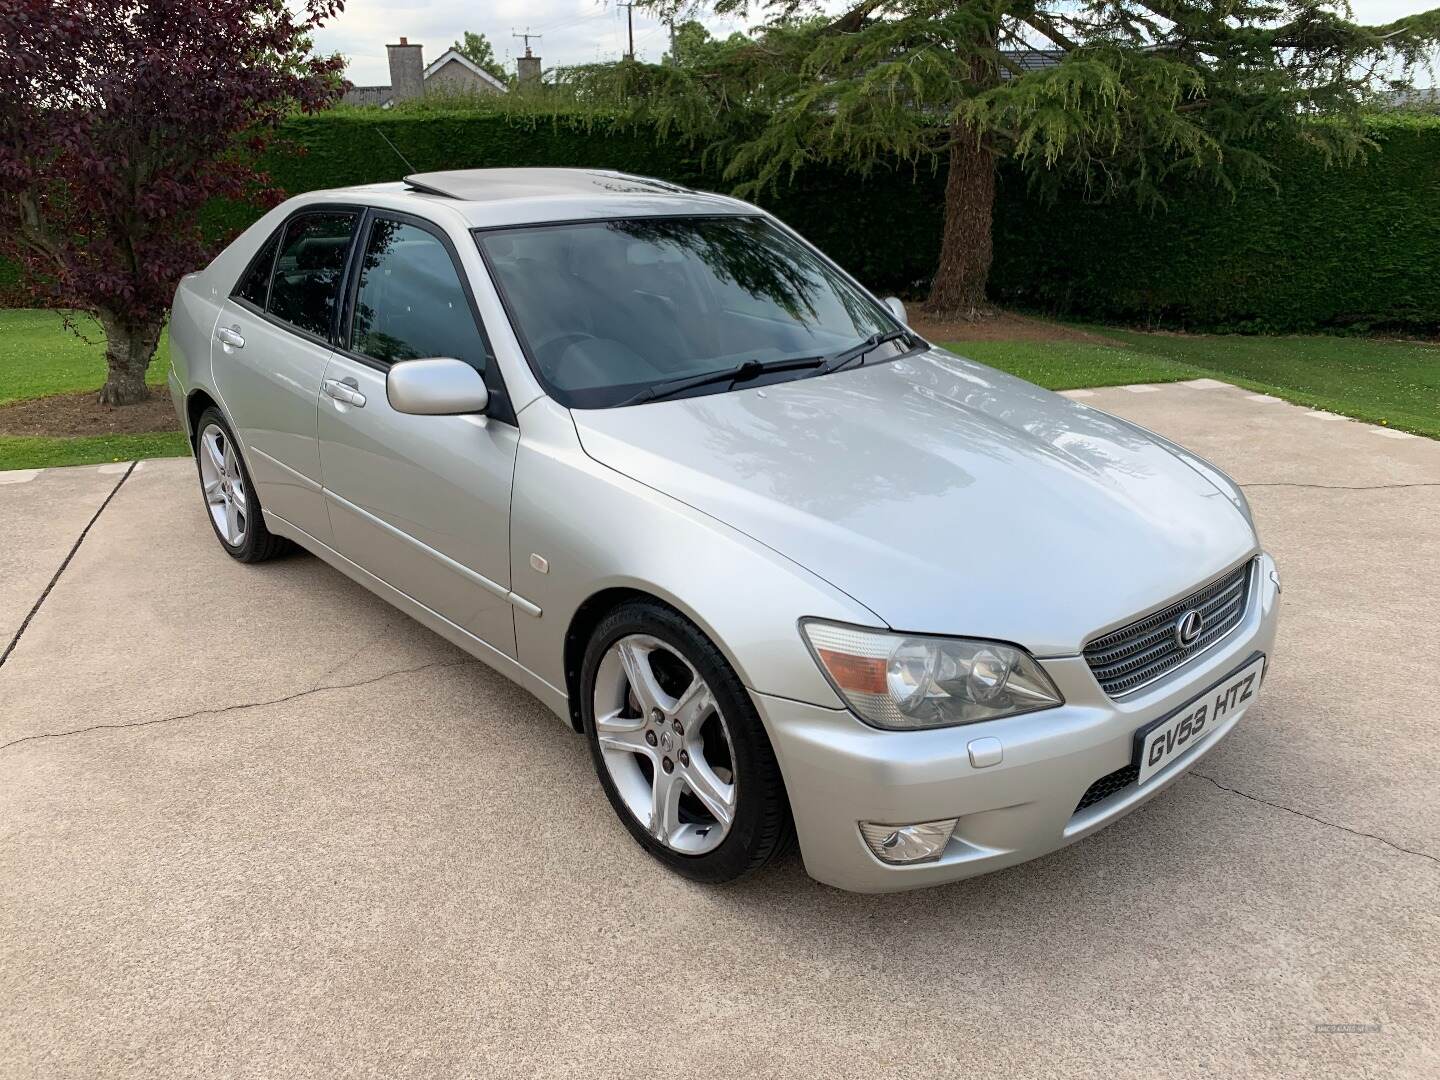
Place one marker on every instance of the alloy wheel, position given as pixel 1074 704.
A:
pixel 223 484
pixel 665 744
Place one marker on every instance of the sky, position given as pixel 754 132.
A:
pixel 573 31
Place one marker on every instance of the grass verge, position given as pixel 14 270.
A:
pixel 1068 365
pixel 36 452
pixel 1379 380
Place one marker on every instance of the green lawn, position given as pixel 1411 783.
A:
pixel 31 452
pixel 1396 383
pixel 38 356
pixel 1068 365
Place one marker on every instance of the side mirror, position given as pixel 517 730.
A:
pixel 438 387
pixel 897 308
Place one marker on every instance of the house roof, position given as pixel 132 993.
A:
pixel 465 62
pixel 1028 60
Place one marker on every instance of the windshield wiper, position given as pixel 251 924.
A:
pixel 845 357
pixel 744 372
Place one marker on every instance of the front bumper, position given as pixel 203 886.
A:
pixel 839 771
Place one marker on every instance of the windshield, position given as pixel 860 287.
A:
pixel 609 309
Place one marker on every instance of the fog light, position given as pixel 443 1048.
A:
pixel 921 842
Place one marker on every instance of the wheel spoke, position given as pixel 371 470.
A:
pixel 232 522
pixel 616 732
pixel 718 796
pixel 665 806
pixel 694 705
pixel 217 459
pixel 641 676
pixel 212 492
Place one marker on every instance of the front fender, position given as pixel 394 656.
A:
pixel 596 529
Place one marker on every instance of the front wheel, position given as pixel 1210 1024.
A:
pixel 681 752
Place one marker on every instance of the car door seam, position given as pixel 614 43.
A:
pixel 494 587
pixel 292 471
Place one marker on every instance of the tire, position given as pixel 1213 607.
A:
pixel 719 756
pixel 225 486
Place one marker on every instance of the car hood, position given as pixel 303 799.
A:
pixel 943 495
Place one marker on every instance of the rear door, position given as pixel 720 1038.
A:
pixel 272 343
pixel 422 502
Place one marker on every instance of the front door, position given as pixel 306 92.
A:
pixel 422 502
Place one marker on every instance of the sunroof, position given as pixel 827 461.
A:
pixel 477 185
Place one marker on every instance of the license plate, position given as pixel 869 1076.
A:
pixel 1162 741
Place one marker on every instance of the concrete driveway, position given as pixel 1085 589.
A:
pixel 254 822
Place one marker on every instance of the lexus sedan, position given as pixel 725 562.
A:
pixel 796 574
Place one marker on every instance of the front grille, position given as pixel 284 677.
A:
pixel 1126 659
pixel 1108 785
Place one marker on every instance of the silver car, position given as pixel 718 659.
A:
pixel 796 574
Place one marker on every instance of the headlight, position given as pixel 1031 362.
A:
pixel 902 682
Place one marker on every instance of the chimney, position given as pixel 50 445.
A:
pixel 527 67
pixel 407 71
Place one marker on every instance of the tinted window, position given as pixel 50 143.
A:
pixel 308 271
pixel 255 285
pixel 609 308
pixel 410 302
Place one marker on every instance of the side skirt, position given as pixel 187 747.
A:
pixel 554 698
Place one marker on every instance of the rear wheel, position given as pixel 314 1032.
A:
pixel 230 500
pixel 680 750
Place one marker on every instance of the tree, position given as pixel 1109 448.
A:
pixel 119 121
pixel 693 46
pixel 477 49
pixel 1119 97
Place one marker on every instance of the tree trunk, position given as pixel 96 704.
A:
pixel 958 290
pixel 129 347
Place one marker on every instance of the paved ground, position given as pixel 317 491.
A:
pixel 253 822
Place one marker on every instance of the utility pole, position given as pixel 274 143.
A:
pixel 630 21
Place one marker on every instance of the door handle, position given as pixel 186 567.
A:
pixel 229 335
pixel 342 391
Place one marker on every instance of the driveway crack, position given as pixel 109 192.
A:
pixel 35 607
pixel 220 711
pixel 1342 487
pixel 1311 817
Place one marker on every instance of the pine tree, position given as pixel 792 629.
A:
pixel 1123 98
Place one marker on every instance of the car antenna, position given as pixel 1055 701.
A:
pixel 392 146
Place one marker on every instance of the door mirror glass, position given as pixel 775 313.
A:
pixel 897 308
pixel 441 386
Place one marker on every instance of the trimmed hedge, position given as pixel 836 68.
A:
pixel 1339 248
pixel 1334 248
pixel 883 230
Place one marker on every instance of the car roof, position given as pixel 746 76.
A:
pixel 501 197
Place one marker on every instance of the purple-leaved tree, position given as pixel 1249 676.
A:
pixel 119 121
